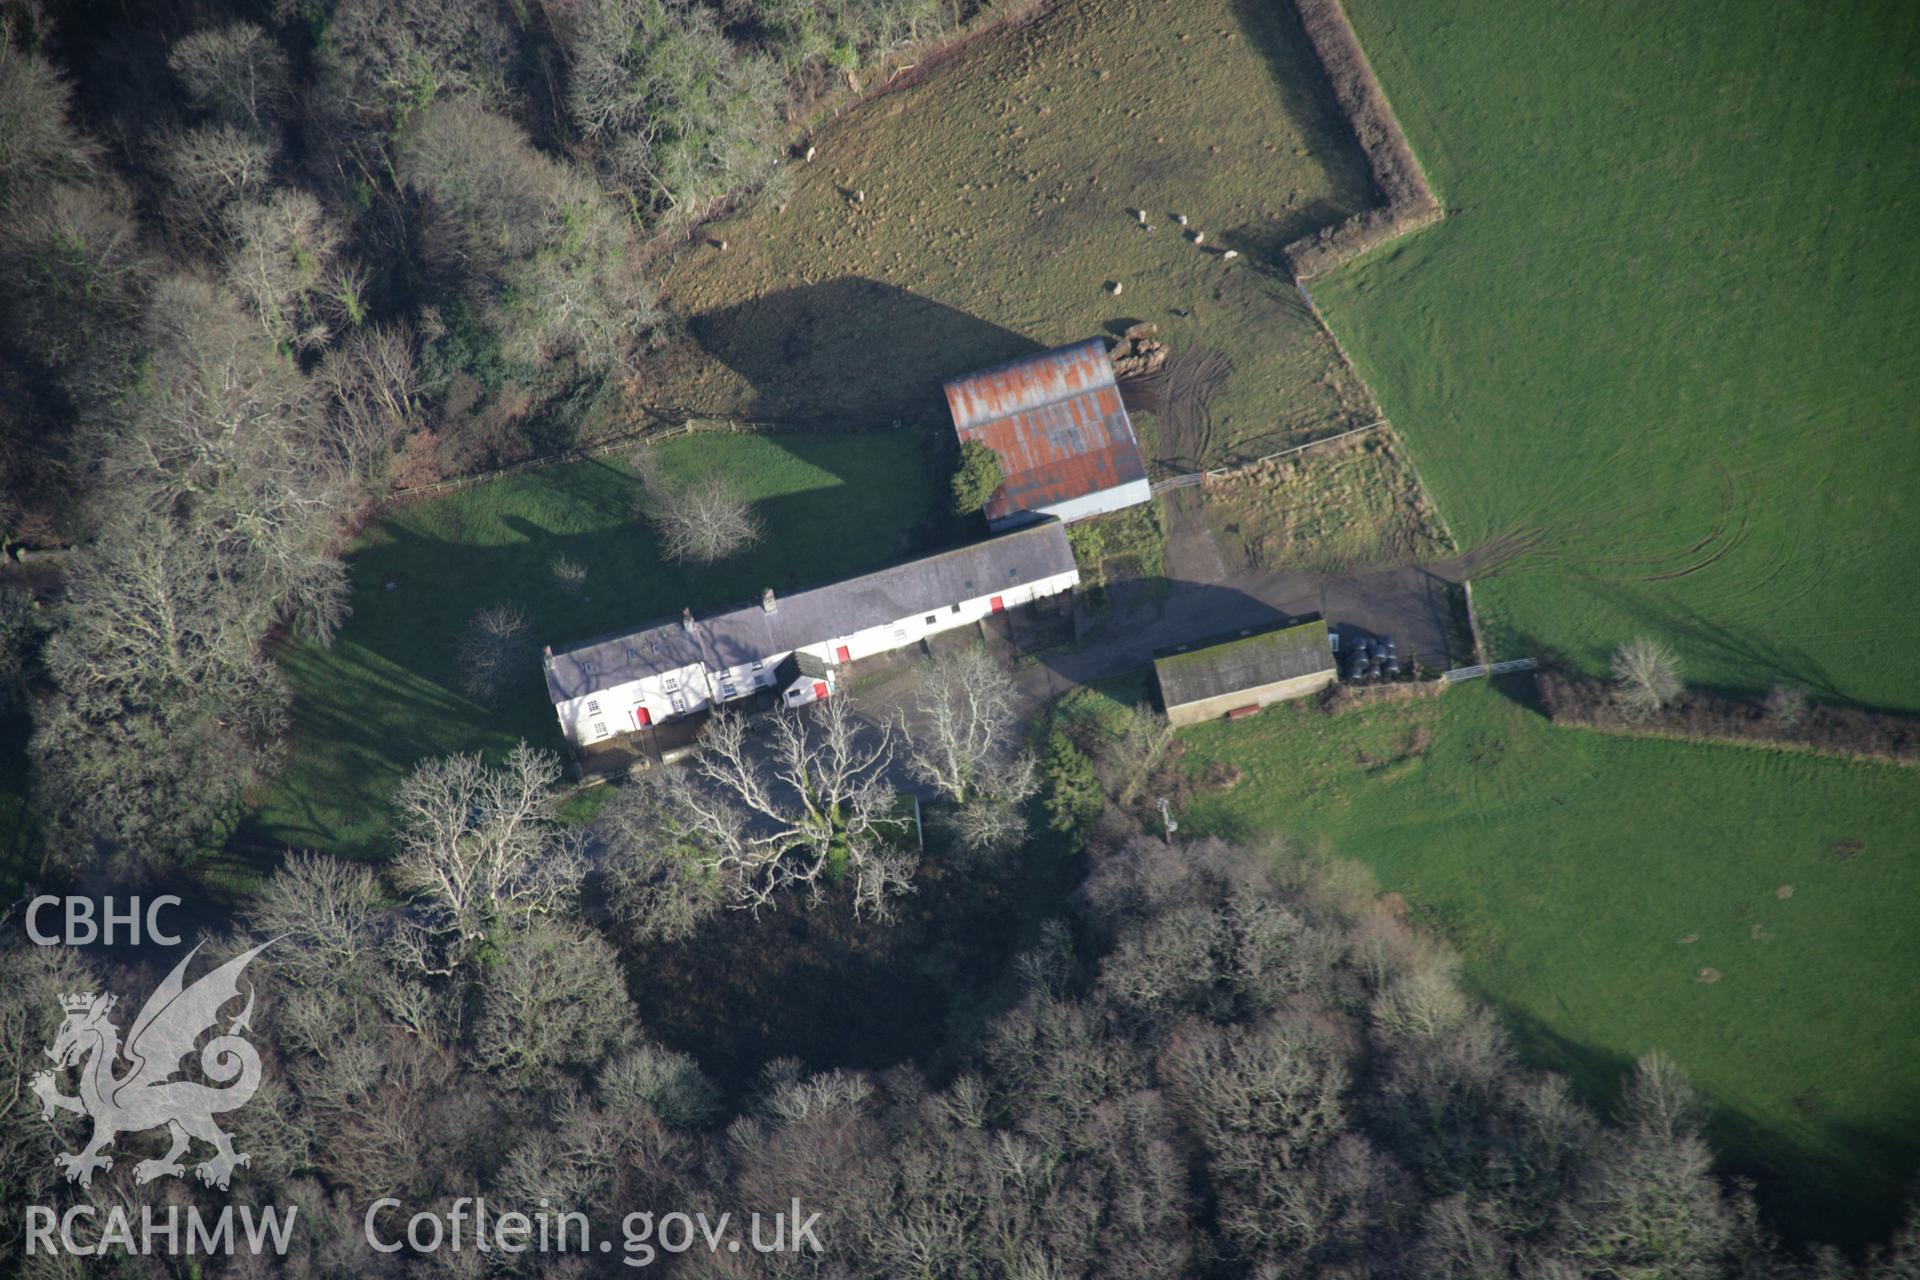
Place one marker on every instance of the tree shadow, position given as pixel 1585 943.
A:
pixel 389 692
pixel 1275 33
pixel 834 990
pixel 852 351
pixel 1806 1195
pixel 1740 646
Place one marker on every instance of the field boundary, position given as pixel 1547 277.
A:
pixel 1191 478
pixel 1410 201
pixel 644 435
pixel 1836 731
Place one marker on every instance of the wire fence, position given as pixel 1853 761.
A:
pixel 1511 665
pixel 1192 478
pixel 627 440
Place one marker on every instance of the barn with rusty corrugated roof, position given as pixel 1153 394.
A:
pixel 1055 420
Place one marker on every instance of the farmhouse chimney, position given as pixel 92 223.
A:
pixel 767 602
pixel 686 621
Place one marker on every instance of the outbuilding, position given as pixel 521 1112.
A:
pixel 1056 422
pixel 1248 669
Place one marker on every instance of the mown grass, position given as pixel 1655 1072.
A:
pixel 1572 868
pixel 1673 324
pixel 997 197
pixel 388 691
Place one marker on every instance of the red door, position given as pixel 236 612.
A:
pixel 841 655
pixel 819 688
pixel 642 717
pixel 998 604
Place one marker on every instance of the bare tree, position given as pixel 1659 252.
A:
pixel 556 999
pixel 960 738
pixel 700 520
pixel 210 169
pixel 237 74
pixel 659 887
pixel 77 280
pixel 491 646
pixel 32 982
pixel 38 144
pixel 1647 1203
pixel 793 811
pixel 569 573
pixel 220 438
pixel 549 257
pixel 481 847
pixel 992 820
pixel 1126 757
pixel 286 267
pixel 328 917
pixel 162 712
pixel 373 391
pixel 1786 705
pixel 964 743
pixel 1646 676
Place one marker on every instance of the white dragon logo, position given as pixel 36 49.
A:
pixel 172 1020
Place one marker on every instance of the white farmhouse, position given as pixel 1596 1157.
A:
pixel 624 683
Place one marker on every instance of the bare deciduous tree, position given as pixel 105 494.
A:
pixel 569 573
pixel 793 810
pixel 209 170
pixel 534 240
pixel 163 713
pixel 480 845
pixel 491 646
pixel 1127 756
pixel 328 917
pixel 660 889
pixel 38 144
pixel 286 267
pixel 1786 705
pixel 221 437
pixel 76 284
pixel 555 1000
pixel 963 726
pixel 373 391
pixel 700 520
pixel 1646 676
pixel 237 74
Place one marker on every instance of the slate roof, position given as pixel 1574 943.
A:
pixel 1056 422
pixel 1242 660
pixel 813 616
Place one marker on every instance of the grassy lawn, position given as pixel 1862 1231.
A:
pixel 1673 323
pixel 1590 880
pixel 997 197
pixel 387 693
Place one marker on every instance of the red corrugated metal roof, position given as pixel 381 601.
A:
pixel 1056 422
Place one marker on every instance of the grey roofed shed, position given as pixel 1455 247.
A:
pixel 817 615
pixel 1242 660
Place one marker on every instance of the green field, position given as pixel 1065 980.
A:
pixel 387 693
pixel 998 196
pixel 1571 869
pixel 1672 326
